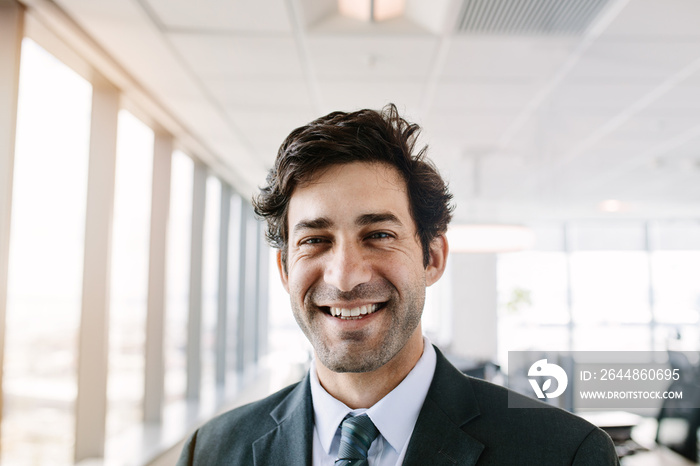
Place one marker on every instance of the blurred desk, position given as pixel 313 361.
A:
pixel 657 455
pixel 643 433
pixel 660 456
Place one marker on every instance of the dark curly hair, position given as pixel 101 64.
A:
pixel 363 136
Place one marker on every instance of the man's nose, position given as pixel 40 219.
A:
pixel 348 267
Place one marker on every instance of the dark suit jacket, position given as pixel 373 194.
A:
pixel 463 421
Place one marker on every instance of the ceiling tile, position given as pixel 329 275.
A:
pixel 217 15
pixel 270 94
pixel 483 96
pixel 597 97
pixel 266 130
pixel 231 72
pixel 475 133
pixel 238 56
pixel 647 126
pixel 348 56
pixel 669 18
pixel 642 60
pixel 355 94
pixel 682 99
pixel 506 57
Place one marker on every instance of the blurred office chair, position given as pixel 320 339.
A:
pixel 679 419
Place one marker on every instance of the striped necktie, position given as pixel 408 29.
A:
pixel 356 435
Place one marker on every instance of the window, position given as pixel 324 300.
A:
pixel 610 286
pixel 210 283
pixel 676 277
pixel 46 260
pixel 129 286
pixel 533 308
pixel 178 277
pixel 45 286
pixel 532 287
pixel 632 287
pixel 235 256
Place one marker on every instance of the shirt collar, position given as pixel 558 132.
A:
pixel 394 415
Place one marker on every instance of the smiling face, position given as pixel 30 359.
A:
pixel 354 269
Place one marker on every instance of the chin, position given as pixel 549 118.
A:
pixel 353 363
pixel 352 366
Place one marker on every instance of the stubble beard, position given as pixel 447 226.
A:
pixel 350 355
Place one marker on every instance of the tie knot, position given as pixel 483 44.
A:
pixel 356 435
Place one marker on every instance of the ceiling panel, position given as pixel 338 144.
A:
pixel 474 133
pixel 502 177
pixel 616 116
pixel 642 59
pixel 682 99
pixel 340 94
pixel 667 19
pixel 506 57
pixel 597 97
pixel 402 56
pixel 480 96
pixel 209 125
pixel 127 34
pixel 267 131
pixel 217 15
pixel 649 127
pixel 270 94
pixel 239 56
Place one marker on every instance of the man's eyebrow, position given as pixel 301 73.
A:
pixel 313 224
pixel 382 217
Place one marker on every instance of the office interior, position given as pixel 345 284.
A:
pixel 138 297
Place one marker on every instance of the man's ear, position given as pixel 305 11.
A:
pixel 438 259
pixel 282 271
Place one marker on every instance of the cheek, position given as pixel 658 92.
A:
pixel 302 276
pixel 403 273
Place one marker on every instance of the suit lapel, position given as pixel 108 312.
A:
pixel 290 442
pixel 438 438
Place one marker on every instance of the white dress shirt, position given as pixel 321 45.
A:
pixel 394 415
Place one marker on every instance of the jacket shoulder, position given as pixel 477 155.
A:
pixel 228 437
pixel 535 433
pixel 536 430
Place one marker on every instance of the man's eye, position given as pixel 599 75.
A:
pixel 379 235
pixel 312 241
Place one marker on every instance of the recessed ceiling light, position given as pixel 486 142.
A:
pixel 372 10
pixel 611 205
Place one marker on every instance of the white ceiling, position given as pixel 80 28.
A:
pixel 525 127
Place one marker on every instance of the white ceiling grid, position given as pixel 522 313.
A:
pixel 556 123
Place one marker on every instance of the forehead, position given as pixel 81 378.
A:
pixel 348 190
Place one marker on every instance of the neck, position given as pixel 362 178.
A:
pixel 364 389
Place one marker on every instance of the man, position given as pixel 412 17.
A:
pixel 359 222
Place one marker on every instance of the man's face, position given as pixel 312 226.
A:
pixel 353 251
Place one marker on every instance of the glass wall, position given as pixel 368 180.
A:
pixel 210 282
pixel 47 242
pixel 178 277
pixel 46 261
pixel 611 286
pixel 129 287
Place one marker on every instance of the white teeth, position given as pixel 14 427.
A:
pixel 355 312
